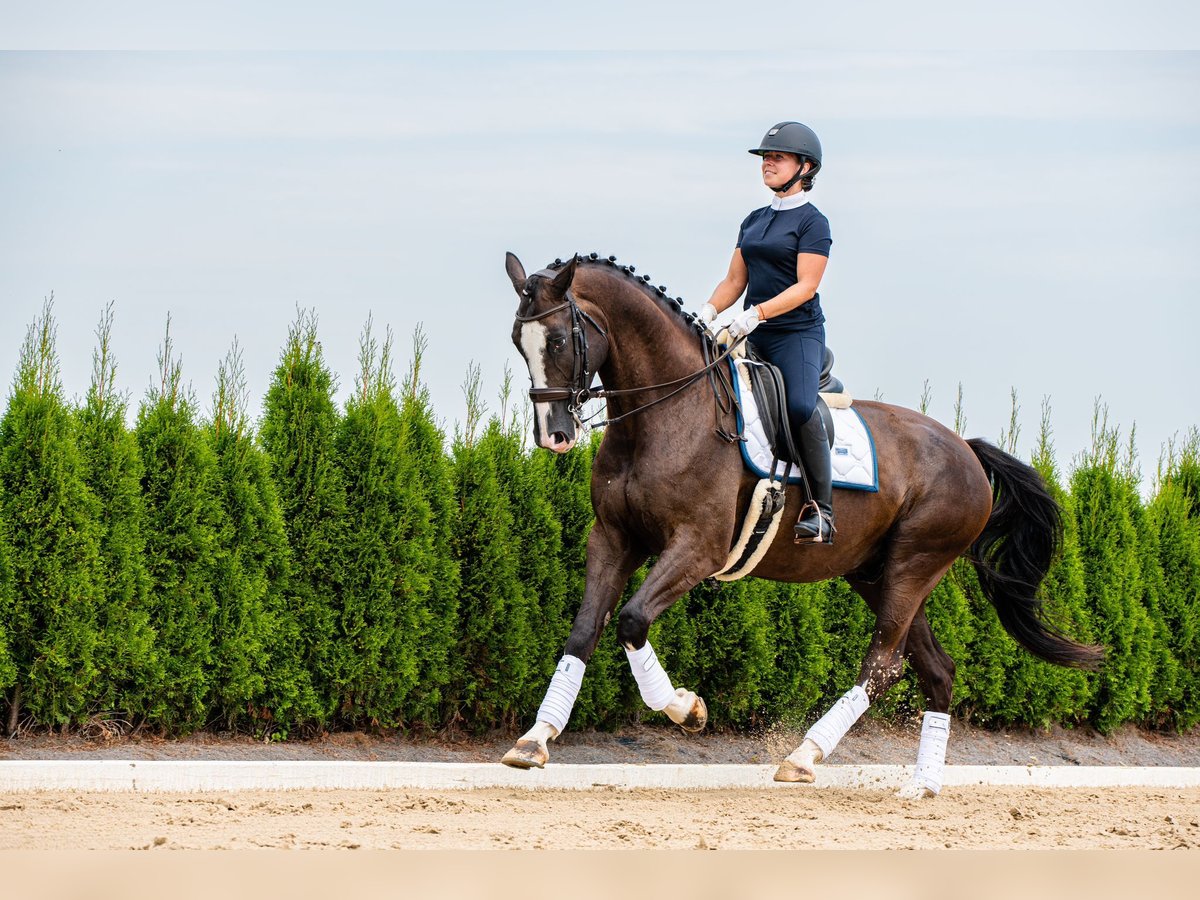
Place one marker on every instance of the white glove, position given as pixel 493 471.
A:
pixel 744 323
pixel 708 312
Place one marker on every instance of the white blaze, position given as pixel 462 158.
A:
pixel 533 347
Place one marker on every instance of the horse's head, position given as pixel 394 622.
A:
pixel 553 333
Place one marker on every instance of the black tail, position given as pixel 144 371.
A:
pixel 1014 553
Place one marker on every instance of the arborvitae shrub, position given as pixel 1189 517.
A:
pixel 388 550
pixel 298 431
pixel 55 554
pixel 496 648
pixel 1175 522
pixel 425 445
pixel 1108 545
pixel 800 645
pixel 259 681
pixel 1038 693
pixel 128 661
pixel 536 530
pixel 8 668
pixel 183 518
pixel 848 622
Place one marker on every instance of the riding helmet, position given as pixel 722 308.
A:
pixel 792 137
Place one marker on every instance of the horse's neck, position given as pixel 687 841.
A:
pixel 649 346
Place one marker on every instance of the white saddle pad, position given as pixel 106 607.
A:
pixel 853 455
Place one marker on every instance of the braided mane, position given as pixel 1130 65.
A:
pixel 658 293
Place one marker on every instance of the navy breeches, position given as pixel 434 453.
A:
pixel 799 356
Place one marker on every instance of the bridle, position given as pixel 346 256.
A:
pixel 581 390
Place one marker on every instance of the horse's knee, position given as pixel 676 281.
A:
pixel 632 628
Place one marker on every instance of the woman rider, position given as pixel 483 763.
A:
pixel 780 255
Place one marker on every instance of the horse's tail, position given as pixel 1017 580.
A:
pixel 1014 553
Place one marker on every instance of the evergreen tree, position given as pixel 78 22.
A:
pixel 55 554
pixel 8 668
pixel 495 649
pixel 129 664
pixel 536 529
pixel 258 677
pixel 1108 544
pixel 388 548
pixel 298 431
pixel 800 646
pixel 425 445
pixel 1176 525
pixel 1038 693
pixel 179 487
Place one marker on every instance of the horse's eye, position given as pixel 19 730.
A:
pixel 557 344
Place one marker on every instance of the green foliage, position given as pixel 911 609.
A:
pixel 51 520
pixel 496 650
pixel 1174 519
pixel 388 548
pixel 259 681
pixel 129 664
pixel 183 521
pixel 424 444
pixel 298 431
pixel 1108 544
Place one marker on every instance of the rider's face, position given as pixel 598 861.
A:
pixel 778 168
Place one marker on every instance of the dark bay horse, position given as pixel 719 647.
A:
pixel 666 482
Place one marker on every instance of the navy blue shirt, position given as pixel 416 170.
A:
pixel 770 239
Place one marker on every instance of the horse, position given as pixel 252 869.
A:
pixel 668 481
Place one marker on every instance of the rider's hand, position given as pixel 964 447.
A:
pixel 708 312
pixel 744 323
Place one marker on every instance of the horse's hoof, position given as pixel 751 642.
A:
pixel 526 755
pixel 697 717
pixel 791 773
pixel 915 790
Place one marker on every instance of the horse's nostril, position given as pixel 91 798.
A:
pixel 559 437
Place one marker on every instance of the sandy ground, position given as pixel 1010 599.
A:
pixel 870 741
pixel 962 818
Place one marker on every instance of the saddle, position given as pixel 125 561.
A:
pixel 771 396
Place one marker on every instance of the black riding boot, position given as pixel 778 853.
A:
pixel 816 519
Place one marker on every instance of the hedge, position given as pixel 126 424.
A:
pixel 352 565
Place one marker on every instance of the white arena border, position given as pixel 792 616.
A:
pixel 227 775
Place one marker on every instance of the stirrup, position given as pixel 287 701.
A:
pixel 824 526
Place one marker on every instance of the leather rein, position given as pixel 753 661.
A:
pixel 580 391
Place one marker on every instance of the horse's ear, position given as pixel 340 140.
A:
pixel 516 272
pixel 562 281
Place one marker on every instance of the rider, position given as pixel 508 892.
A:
pixel 780 255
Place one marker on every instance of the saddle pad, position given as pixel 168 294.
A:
pixel 853 454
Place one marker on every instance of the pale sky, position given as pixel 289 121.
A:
pixel 1005 218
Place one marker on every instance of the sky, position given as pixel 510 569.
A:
pixel 1008 215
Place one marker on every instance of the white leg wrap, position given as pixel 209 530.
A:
pixel 832 726
pixel 931 756
pixel 560 696
pixel 651 679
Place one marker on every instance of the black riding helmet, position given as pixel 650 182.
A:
pixel 792 137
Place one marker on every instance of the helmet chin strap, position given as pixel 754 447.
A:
pixel 800 173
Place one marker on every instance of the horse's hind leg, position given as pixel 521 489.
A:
pixel 908 579
pixel 935 669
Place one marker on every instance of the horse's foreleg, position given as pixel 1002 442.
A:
pixel 673 575
pixel 611 562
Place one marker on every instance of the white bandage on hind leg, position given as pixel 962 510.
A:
pixel 560 696
pixel 651 679
pixel 931 755
pixel 832 726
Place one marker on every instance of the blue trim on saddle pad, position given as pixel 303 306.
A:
pixel 796 479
